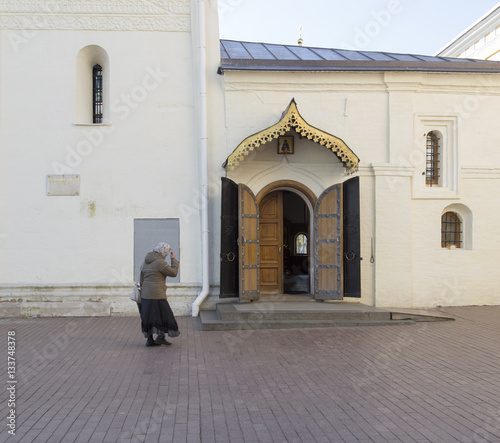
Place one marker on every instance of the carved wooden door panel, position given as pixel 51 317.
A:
pixel 248 244
pixel 271 242
pixel 229 256
pixel 327 245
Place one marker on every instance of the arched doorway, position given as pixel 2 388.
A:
pixel 331 229
pixel 285 239
pixel 324 242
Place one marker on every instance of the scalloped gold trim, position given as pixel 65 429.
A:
pixel 293 119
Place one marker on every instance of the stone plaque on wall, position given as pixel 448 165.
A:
pixel 63 185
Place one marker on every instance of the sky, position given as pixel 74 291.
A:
pixel 403 26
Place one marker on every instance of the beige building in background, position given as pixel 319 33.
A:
pixel 481 40
pixel 324 173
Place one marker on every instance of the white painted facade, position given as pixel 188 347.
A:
pixel 141 162
pixel 385 125
pixel 73 255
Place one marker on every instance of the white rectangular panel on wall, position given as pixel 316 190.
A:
pixel 148 232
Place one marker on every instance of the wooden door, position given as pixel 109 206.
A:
pixel 327 245
pixel 229 260
pixel 271 242
pixel 248 244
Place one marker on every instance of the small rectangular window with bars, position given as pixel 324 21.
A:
pixel 432 160
pixel 97 94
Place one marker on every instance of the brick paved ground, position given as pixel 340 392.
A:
pixel 93 380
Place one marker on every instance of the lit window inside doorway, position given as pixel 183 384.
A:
pixel 301 244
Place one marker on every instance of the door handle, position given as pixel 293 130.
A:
pixel 351 255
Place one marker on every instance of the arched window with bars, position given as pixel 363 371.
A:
pixel 92 86
pixel 97 94
pixel 432 159
pixel 451 230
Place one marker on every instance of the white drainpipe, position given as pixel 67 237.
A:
pixel 203 160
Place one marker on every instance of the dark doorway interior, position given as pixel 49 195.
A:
pixel 296 244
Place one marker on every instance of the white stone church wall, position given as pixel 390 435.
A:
pixel 73 255
pixel 383 119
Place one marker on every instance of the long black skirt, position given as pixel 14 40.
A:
pixel 156 316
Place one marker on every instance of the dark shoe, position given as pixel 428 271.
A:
pixel 162 341
pixel 151 342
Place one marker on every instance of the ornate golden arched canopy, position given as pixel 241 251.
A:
pixel 293 119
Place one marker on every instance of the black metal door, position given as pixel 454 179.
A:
pixel 229 265
pixel 351 239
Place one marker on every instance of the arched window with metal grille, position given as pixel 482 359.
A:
pixel 451 230
pixel 432 160
pixel 92 86
pixel 97 94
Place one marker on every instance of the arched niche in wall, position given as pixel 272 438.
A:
pixel 87 58
pixel 465 216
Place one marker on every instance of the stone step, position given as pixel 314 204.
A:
pixel 211 322
pixel 300 311
pixel 279 315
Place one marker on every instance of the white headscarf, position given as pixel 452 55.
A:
pixel 162 248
